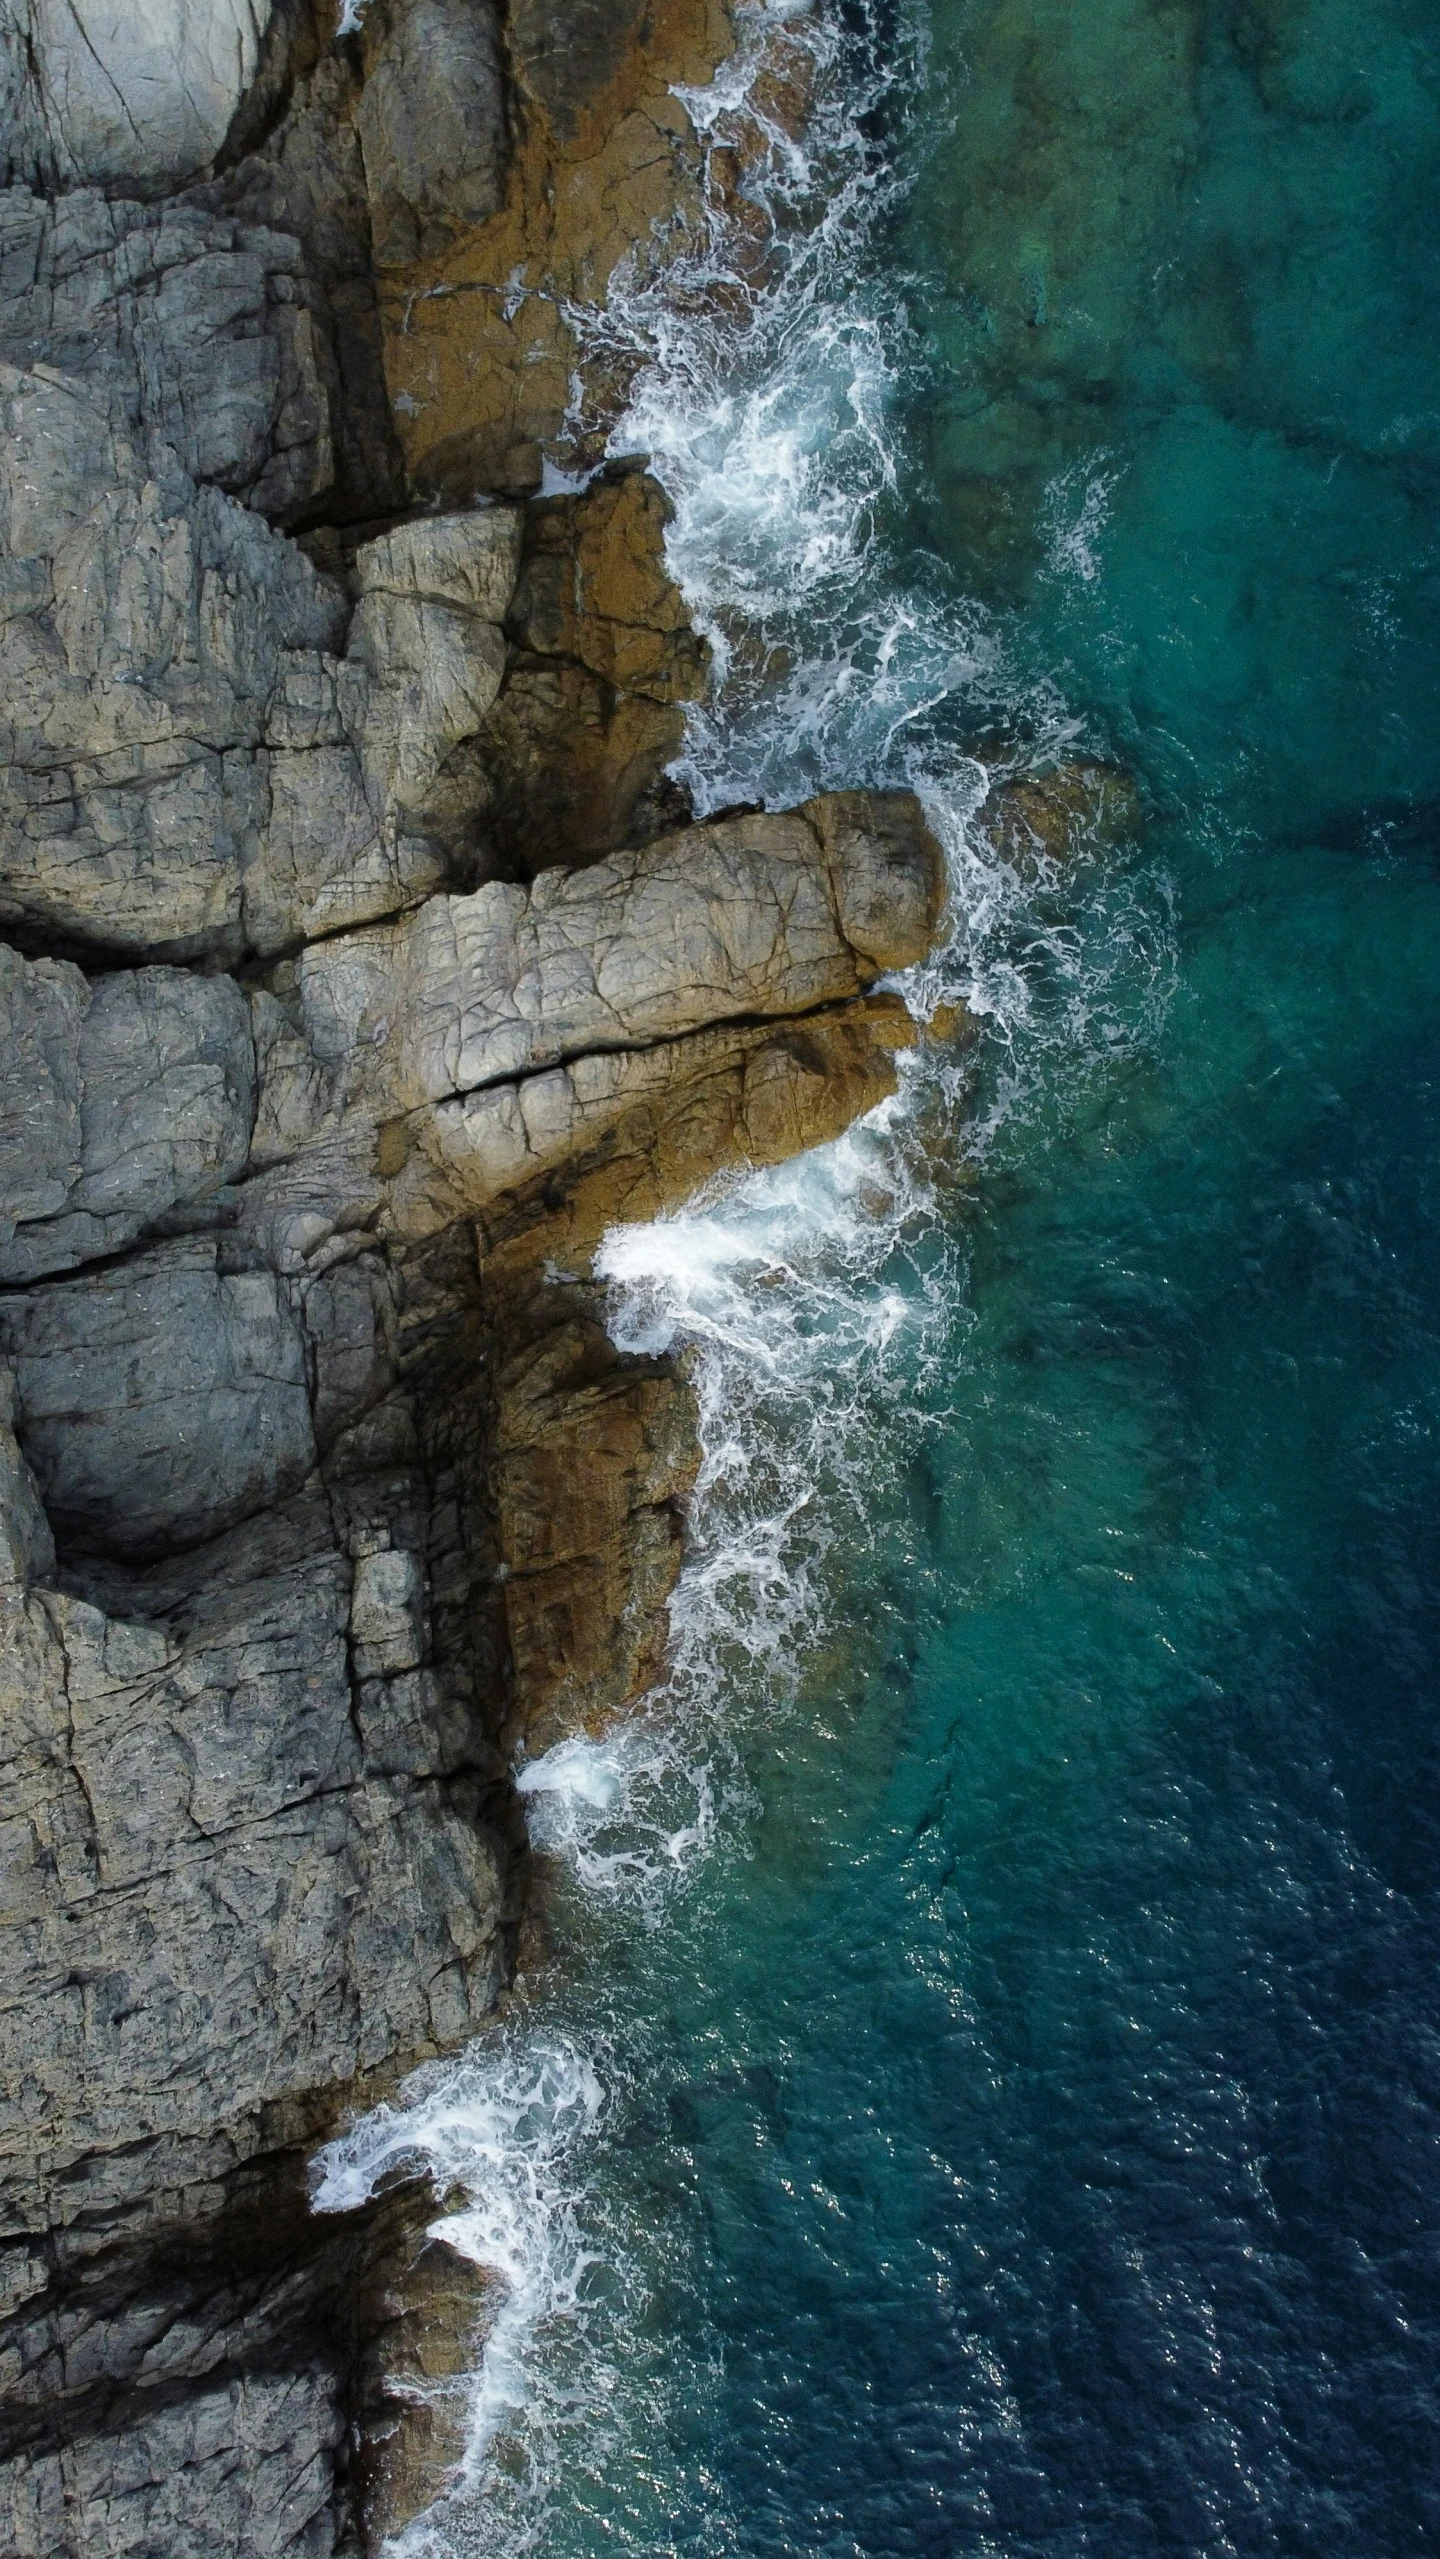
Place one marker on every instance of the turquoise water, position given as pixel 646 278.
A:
pixel 991 2099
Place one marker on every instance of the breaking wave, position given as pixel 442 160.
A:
pixel 811 1301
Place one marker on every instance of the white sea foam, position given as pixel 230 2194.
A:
pixel 498 2134
pixel 810 1300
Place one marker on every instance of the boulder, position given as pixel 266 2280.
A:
pixel 491 1055
pixel 748 917
pixel 213 1897
pixel 1037 820
pixel 181 323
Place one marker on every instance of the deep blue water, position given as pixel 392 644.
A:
pixel 1023 2135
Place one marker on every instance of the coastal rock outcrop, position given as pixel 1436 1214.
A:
pixel 361 964
pixel 484 354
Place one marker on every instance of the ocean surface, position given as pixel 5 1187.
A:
pixel 986 2097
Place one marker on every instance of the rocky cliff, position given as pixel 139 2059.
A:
pixel 360 964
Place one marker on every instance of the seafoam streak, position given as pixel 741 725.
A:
pixel 809 1299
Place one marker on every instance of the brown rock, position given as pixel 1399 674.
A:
pixel 415 2380
pixel 593 585
pixel 480 354
pixel 595 1456
pixel 590 712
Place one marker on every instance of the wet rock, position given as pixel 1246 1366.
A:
pixel 1034 821
pixel 595 1456
pixel 605 167
pixel 415 2385
pixel 625 1138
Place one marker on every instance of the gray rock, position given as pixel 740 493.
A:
pixel 160 1399
pixel 134 90
pixel 248 2465
pixel 432 126
pixel 185 324
pixel 120 1099
pixel 191 767
pixel 209 1898
pixel 433 596
pixel 387 1614
pixel 306 178
pixel 27 1549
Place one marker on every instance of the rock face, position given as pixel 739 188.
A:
pixel 359 967
pixel 124 91
pixel 602 663
pixel 602 167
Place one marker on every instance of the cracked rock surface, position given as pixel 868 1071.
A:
pixel 359 963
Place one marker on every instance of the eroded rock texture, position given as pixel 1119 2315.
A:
pixel 360 965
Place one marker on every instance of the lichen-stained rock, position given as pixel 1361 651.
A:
pixel 432 125
pixel 121 1098
pixel 115 91
pixel 594 586
pixel 605 658
pixel 417 2379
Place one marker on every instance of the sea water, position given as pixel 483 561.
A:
pixel 988 2097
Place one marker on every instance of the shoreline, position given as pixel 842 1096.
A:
pixel 325 1486
pixel 386 968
